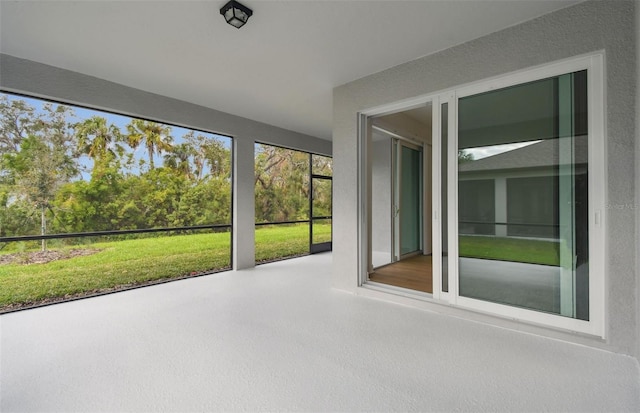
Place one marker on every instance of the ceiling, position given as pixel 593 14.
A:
pixel 279 69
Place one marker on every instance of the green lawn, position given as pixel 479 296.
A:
pixel 121 264
pixel 277 241
pixel 509 249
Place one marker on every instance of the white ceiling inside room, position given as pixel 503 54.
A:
pixel 279 69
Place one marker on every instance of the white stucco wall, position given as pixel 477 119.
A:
pixel 39 80
pixel 587 27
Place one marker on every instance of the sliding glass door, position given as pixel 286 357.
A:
pixel 517 196
pixel 522 196
pixel 517 222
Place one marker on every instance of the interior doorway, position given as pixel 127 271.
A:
pixel 400 202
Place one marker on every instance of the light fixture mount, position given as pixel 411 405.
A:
pixel 236 14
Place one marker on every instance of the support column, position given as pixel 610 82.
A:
pixel 500 191
pixel 243 204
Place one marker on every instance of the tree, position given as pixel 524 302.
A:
pixel 209 155
pixel 322 165
pixel 17 121
pixel 40 167
pixel 153 197
pixel 92 205
pixel 41 154
pixel 101 142
pixel 179 159
pixel 281 184
pixel 208 202
pixel 155 137
pixel 464 156
pixel 217 158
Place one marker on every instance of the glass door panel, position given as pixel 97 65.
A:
pixel 522 196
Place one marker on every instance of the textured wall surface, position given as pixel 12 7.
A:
pixel 584 28
pixel 36 79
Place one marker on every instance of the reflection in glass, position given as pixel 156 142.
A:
pixel 522 196
pixel 477 207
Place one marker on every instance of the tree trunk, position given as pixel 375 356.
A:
pixel 43 229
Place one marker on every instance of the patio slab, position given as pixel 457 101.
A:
pixel 277 337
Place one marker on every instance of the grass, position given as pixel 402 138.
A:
pixel 510 249
pixel 277 241
pixel 122 264
pixel 119 264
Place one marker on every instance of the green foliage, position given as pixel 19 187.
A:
pixel 43 152
pixel 322 197
pixel 83 206
pixel 40 169
pixel 101 142
pixel 282 184
pixel 87 175
pixel 322 165
pixel 16 122
pixel 36 155
pixel 155 137
pixel 209 202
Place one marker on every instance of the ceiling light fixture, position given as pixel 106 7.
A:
pixel 236 14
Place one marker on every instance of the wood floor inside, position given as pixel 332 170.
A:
pixel 414 273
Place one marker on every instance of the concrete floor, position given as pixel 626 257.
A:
pixel 277 337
